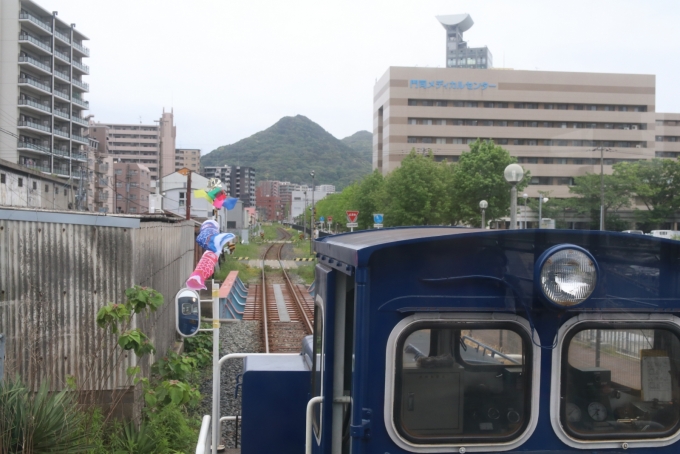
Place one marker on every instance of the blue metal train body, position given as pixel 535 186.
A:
pixel 461 340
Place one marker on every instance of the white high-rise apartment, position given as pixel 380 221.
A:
pixel 41 90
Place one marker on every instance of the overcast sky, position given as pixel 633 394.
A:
pixel 233 68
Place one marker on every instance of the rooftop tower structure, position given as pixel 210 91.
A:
pixel 458 54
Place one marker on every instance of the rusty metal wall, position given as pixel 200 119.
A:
pixel 54 277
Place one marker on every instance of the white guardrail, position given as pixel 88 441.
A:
pixel 204 436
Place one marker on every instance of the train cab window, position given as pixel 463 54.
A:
pixel 620 382
pixel 317 366
pixel 464 384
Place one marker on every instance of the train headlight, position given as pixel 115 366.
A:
pixel 566 275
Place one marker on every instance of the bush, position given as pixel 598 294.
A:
pixel 39 422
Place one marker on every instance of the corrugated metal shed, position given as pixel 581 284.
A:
pixel 55 276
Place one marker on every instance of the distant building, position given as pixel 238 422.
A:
pixel 42 90
pixel 189 158
pixel 302 199
pixel 220 172
pixel 327 188
pixel 153 145
pixel 667 135
pixel 270 207
pixel 132 187
pixel 24 187
pixel 175 195
pixel 458 54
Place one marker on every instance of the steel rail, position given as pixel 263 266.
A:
pixel 308 323
pixel 264 303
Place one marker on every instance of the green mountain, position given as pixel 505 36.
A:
pixel 292 148
pixel 362 142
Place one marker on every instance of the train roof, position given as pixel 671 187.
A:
pixel 355 249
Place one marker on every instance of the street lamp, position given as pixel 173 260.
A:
pixel 311 216
pixel 541 201
pixel 602 150
pixel 513 174
pixel 483 205
pixel 525 196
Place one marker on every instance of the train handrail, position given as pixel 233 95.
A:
pixel 308 422
pixel 491 349
pixel 204 436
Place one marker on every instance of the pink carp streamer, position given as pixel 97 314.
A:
pixel 203 271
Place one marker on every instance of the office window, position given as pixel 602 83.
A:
pixel 488 104
pixel 412 102
pixel 577 143
pixel 427 122
pixel 531 105
pixel 518 141
pixel 427 139
pixel 20 182
pixel 532 124
pixel 118 171
pixel 411 140
pixel 562 107
pixel 623 109
pixel 565 181
pixel 470 122
pixel 531 160
pixel 412 121
pixel 561 161
pixel 579 161
pixel 457 141
pixel 3 178
pixel 518 124
pixel 47 188
pixel 578 125
pixel 501 123
pixel 608 126
pixel 458 104
pixel 659 138
pixel 441 103
pixel 592 107
pixel 470 104
pixel 591 125
pixel 547 160
pixel 35 185
pixel 549 106
pixel 456 122
pixel 487 123
pixel 547 124
pixel 427 103
pixel 502 105
pixel 562 143
pixel 532 142
pixel 579 107
pixel 608 108
pixel 440 122
pixel 519 105
pixel 440 140
pixel 56 190
pixel 502 141
pixel 562 124
pixel 547 142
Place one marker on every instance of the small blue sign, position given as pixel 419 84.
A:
pixel 321 219
pixel 453 85
pixel 377 218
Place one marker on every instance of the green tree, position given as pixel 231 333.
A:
pixel 416 192
pixel 370 199
pixel 617 195
pixel 478 176
pixel 656 184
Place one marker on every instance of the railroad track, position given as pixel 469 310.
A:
pixel 285 310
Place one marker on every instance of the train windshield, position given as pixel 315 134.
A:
pixel 621 382
pixel 461 382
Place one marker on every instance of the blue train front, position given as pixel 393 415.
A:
pixel 432 340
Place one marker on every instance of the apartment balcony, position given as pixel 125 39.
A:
pixel 102 182
pixel 79 84
pixel 21 145
pixel 35 44
pixel 62 94
pixel 59 132
pixel 101 167
pixel 62 76
pixel 80 121
pixel 82 49
pixel 84 68
pixel 62 56
pixel 35 64
pixel 45 169
pixel 61 152
pixel 101 196
pixel 35 85
pixel 31 19
pixel 82 103
pixel 78 156
pixel 61 113
pixel 62 37
pixel 79 139
pixel 34 127
pixel 32 105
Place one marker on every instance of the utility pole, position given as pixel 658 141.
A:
pixel 311 217
pixel 127 189
pixel 188 197
pixel 115 188
pixel 602 150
